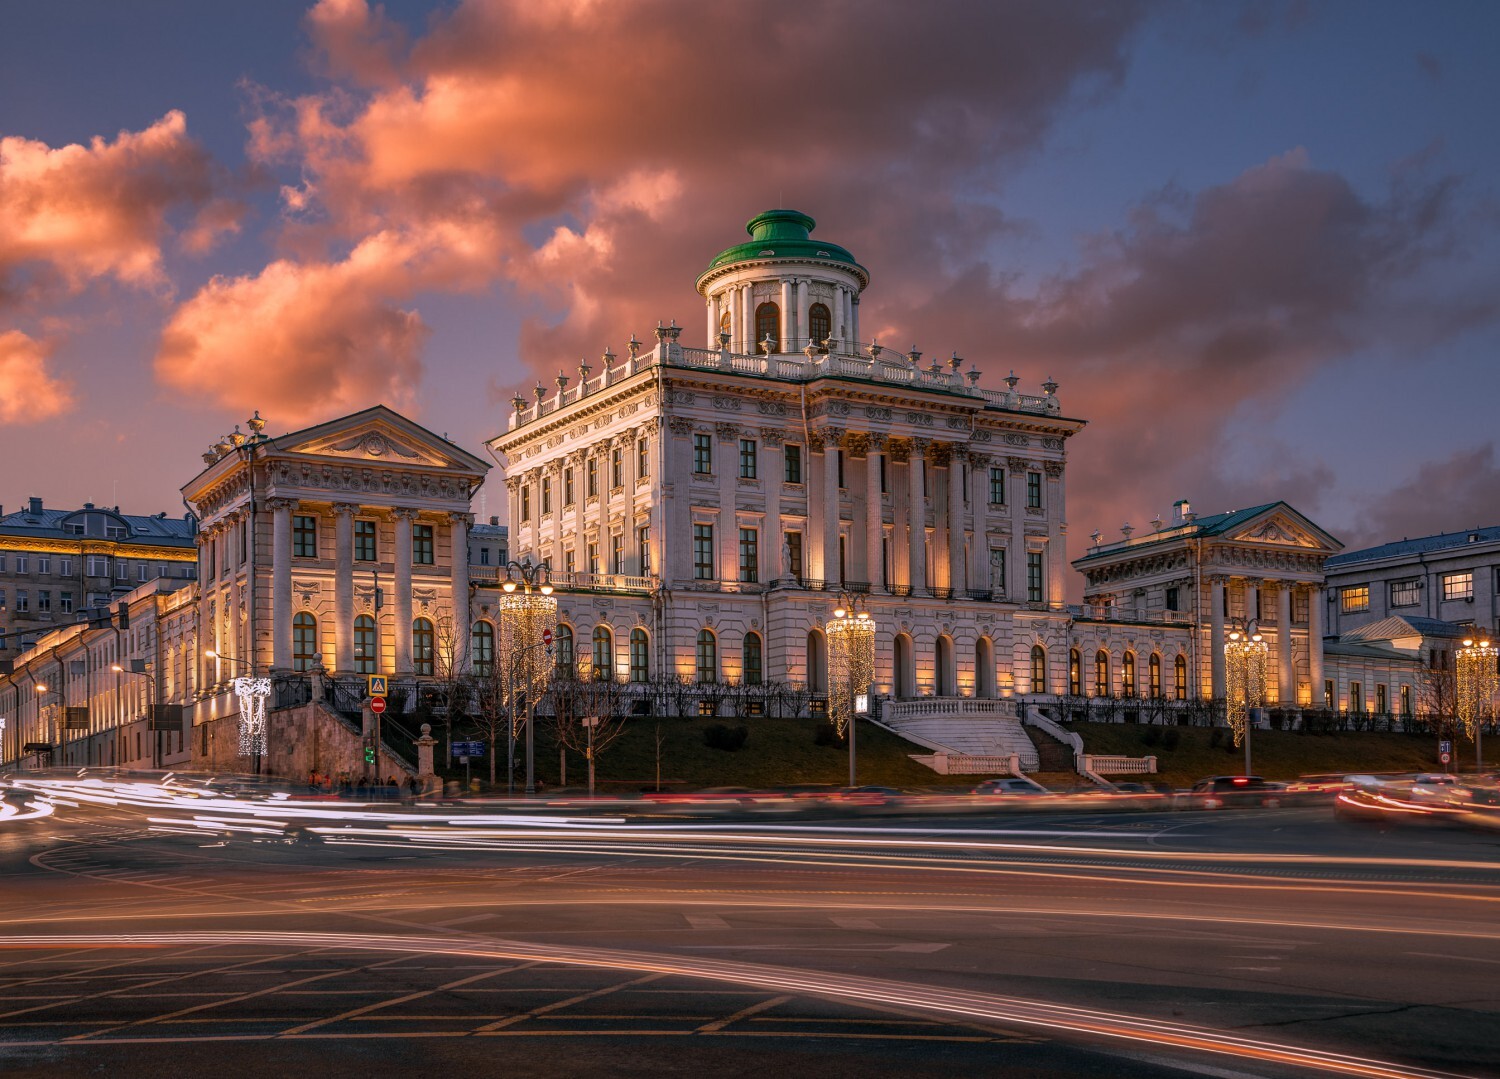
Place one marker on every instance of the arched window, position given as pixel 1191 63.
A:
pixel 422 650
pixel 304 642
pixel 1101 673
pixel 817 662
pixel 604 654
pixel 708 656
pixel 945 666
pixel 1180 677
pixel 1075 673
pixel 1038 669
pixel 366 645
pixel 1127 674
pixel 564 638
pixel 819 324
pixel 482 648
pixel 768 324
pixel 1153 672
pixel 640 656
pixel 752 664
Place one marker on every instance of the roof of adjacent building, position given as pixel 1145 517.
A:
pixel 784 234
pixel 1216 524
pixel 1443 541
pixel 1404 625
pixel 48 524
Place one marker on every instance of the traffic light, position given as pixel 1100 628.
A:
pixel 369 753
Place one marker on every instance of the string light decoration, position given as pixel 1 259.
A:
pixel 851 662
pixel 1245 669
pixel 528 628
pixel 1476 678
pixel 253 694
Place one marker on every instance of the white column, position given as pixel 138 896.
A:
pixel 772 469
pixel 281 583
pixel 678 534
pixel 832 439
pixel 1315 609
pixel 1287 675
pixel 786 315
pixel 227 550
pixel 343 587
pixel 747 308
pixel 956 518
pixel 1056 581
pixel 874 515
pixel 979 500
pixel 460 584
pixel 1015 554
pixel 710 325
pixel 854 331
pixel 802 305
pixel 838 312
pixel 402 589
pixel 917 516
pixel 1218 683
pixel 728 467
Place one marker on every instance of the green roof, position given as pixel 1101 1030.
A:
pixel 783 234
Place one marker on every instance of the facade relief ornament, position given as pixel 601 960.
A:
pixel 772 436
pixel 1052 443
pixel 874 412
pixel 1017 464
pixel 680 425
pixel 1017 440
pixel 727 432
pixel 1053 469
pixel 726 404
pixel 919 419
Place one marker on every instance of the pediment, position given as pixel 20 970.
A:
pixel 1282 530
pixel 379 437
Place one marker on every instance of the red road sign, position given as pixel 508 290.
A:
pixel 546 636
pixel 377 705
pixel 1445 757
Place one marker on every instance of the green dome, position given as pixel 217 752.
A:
pixel 783 235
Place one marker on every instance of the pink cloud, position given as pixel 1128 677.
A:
pixel 29 393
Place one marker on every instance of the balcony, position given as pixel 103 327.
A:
pixel 577 581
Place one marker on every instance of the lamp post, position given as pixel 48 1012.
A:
pixel 253 693
pixel 528 620
pixel 1477 677
pixel 851 666
pixel 150 711
pixel 1245 669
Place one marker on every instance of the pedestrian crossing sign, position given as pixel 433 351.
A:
pixel 377 685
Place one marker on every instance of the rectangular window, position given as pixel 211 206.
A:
pixel 142 572
pixel 364 541
pixel 567 487
pixel 642 458
pixel 997 486
pixel 546 496
pixel 43 564
pixel 65 567
pixel 23 563
pixel 98 566
pixel 1382 705
pixel 484 556
pixel 1173 599
pixel 2 563
pixel 23 600
pixel 1356 697
pixel 617 554
pixel 748 462
pixel 616 468
pixel 1354 599
pixel 749 555
pixel 44 600
pixel 703 455
pixel 304 536
pixel 525 504
pixel 1330 697
pixel 568 562
pixel 1033 576
pixel 1406 700
pixel 592 552
pixel 591 478
pixel 421 545
pixel 703 552
pixel 122 571
pixel 643 548
pixel 794 554
pixel 1406 593
pixel 793 464
pixel 1034 490
pixel 1458 586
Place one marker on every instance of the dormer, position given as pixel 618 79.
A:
pixel 786 286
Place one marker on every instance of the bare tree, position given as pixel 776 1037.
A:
pixel 1437 694
pixel 451 684
pixel 494 687
pixel 589 711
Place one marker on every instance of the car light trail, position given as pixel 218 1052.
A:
pixel 963 1004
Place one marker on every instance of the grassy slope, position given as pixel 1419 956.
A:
pixel 1274 754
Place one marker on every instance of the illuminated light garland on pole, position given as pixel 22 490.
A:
pixel 1245 669
pixel 851 667
pixel 253 694
pixel 528 623
pixel 1476 677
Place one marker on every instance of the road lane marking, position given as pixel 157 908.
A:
pixel 569 1002
pixel 743 1013
pixel 393 1001
pixel 706 921
pixel 853 923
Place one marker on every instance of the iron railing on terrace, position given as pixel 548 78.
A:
pixel 864 362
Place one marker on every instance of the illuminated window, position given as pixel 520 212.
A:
pixel 567 487
pixel 642 458
pixel 708 657
pixel 1382 703
pixel 752 660
pixel 304 641
pixel 1354 599
pixel 1101 673
pixel 304 536
pixel 525 503
pixel 366 650
pixel 423 652
pixel 703 455
pixel 1075 673
pixel 1127 674
pixel 768 324
pixel 1406 593
pixel 1458 586
pixel 617 553
pixel 604 654
pixel 591 478
pixel 564 642
pixel 640 656
pixel 794 554
pixel 482 648
pixel 1038 669
pixel 1153 673
pixel 1179 677
pixel 546 496
pixel 819 324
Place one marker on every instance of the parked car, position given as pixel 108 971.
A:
pixel 1009 786
pixel 1217 792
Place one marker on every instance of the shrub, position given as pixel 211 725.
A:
pixel 728 739
pixel 824 735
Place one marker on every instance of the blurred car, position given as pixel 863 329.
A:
pixel 1010 786
pixel 1218 792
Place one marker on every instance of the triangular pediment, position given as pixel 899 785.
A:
pixel 379 436
pixel 1282 526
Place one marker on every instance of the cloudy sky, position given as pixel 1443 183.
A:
pixel 1256 243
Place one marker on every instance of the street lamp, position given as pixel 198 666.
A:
pixel 1477 677
pixel 150 711
pixel 253 693
pixel 1245 665
pixel 851 666
pixel 528 620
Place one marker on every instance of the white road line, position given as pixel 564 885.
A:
pixel 706 921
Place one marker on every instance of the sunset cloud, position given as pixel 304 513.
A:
pixel 29 392
pixel 76 213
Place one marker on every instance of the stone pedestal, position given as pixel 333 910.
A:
pixel 432 786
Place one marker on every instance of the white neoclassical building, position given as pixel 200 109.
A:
pixel 701 507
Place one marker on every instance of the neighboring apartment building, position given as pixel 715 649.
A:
pixel 1452 577
pixel 55 564
pixel 702 507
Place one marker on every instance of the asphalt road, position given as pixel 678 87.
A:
pixel 1249 943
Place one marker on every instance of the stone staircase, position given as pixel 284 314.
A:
pixel 1054 756
pixel 963 727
